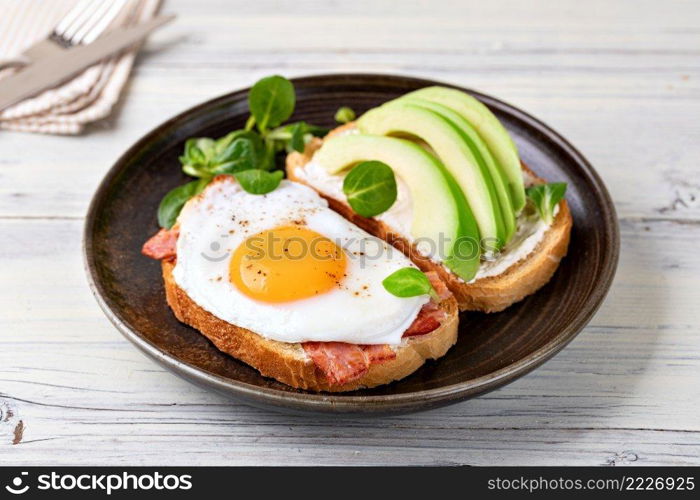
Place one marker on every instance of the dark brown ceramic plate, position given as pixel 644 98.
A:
pixel 492 349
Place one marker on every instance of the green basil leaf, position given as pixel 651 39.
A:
pixel 344 115
pixel 267 158
pixel 370 188
pixel 296 142
pixel 224 142
pixel 199 150
pixel 193 155
pixel 545 197
pixel 295 131
pixel 299 134
pixel 197 156
pixel 260 153
pixel 409 282
pixel 316 131
pixel 283 133
pixel 238 156
pixel 173 201
pixel 195 171
pixel 233 151
pixel 271 101
pixel 257 181
pixel 207 146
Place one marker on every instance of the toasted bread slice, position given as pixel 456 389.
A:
pixel 289 363
pixel 489 294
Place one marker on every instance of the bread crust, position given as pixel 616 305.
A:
pixel 489 294
pixel 289 363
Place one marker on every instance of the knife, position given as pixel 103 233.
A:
pixel 50 72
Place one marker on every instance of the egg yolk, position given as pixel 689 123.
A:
pixel 287 263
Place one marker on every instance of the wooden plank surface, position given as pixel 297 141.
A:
pixel 621 80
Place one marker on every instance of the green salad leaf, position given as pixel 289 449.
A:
pixel 198 151
pixel 294 136
pixel 239 150
pixel 240 155
pixel 248 154
pixel 409 282
pixel 545 197
pixel 172 203
pixel 296 141
pixel 370 188
pixel 257 181
pixel 344 115
pixel 271 101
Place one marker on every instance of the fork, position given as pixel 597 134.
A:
pixel 83 24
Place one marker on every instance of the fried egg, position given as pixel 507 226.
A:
pixel 287 267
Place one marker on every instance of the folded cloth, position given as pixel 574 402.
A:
pixel 89 96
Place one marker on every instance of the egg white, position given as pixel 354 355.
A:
pixel 360 311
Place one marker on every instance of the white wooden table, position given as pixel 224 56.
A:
pixel 621 80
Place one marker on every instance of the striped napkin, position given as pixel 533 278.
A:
pixel 89 96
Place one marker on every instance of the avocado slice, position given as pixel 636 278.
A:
pixel 483 157
pixel 403 118
pixel 489 128
pixel 441 214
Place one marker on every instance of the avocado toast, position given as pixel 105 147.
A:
pixel 496 231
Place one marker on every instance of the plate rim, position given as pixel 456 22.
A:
pixel 338 402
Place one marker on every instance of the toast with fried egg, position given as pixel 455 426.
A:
pixel 320 319
pixel 494 293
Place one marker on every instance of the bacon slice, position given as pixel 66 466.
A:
pixel 339 361
pixel 429 318
pixel 379 352
pixel 161 245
